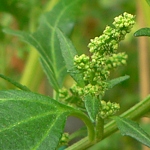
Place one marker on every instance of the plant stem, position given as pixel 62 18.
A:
pixel 3 60
pixel 143 49
pixel 32 73
pixel 133 113
pixel 51 4
pixel 99 130
pixel 81 145
pixel 88 123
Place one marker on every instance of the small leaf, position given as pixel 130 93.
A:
pixel 18 85
pixel 68 53
pixel 116 81
pixel 132 129
pixel 31 121
pixel 92 106
pixel 148 2
pixel 142 32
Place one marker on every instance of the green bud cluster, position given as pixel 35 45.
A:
pixel 71 98
pixel 116 60
pixel 88 89
pixel 63 94
pixel 82 62
pixel 64 139
pixel 96 68
pixel 108 42
pixel 108 109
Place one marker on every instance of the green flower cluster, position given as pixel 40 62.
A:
pixel 96 68
pixel 88 89
pixel 64 140
pixel 108 109
pixel 108 42
pixel 63 93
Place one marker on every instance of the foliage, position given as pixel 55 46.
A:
pixel 142 32
pixel 35 121
pixel 128 127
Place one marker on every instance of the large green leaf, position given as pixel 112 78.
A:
pixel 92 105
pixel 132 129
pixel 68 53
pixel 46 42
pixel 30 121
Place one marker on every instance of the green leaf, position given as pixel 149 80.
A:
pixel 116 81
pixel 148 2
pixel 142 32
pixel 68 53
pixel 92 106
pixel 46 42
pixel 18 85
pixel 31 121
pixel 132 129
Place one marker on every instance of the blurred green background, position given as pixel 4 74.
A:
pixel 20 62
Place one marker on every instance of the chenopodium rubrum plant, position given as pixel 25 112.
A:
pixel 43 118
pixel 95 70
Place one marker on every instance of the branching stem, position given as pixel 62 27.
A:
pixel 135 112
pixel 88 123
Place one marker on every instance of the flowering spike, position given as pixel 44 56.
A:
pixel 96 69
